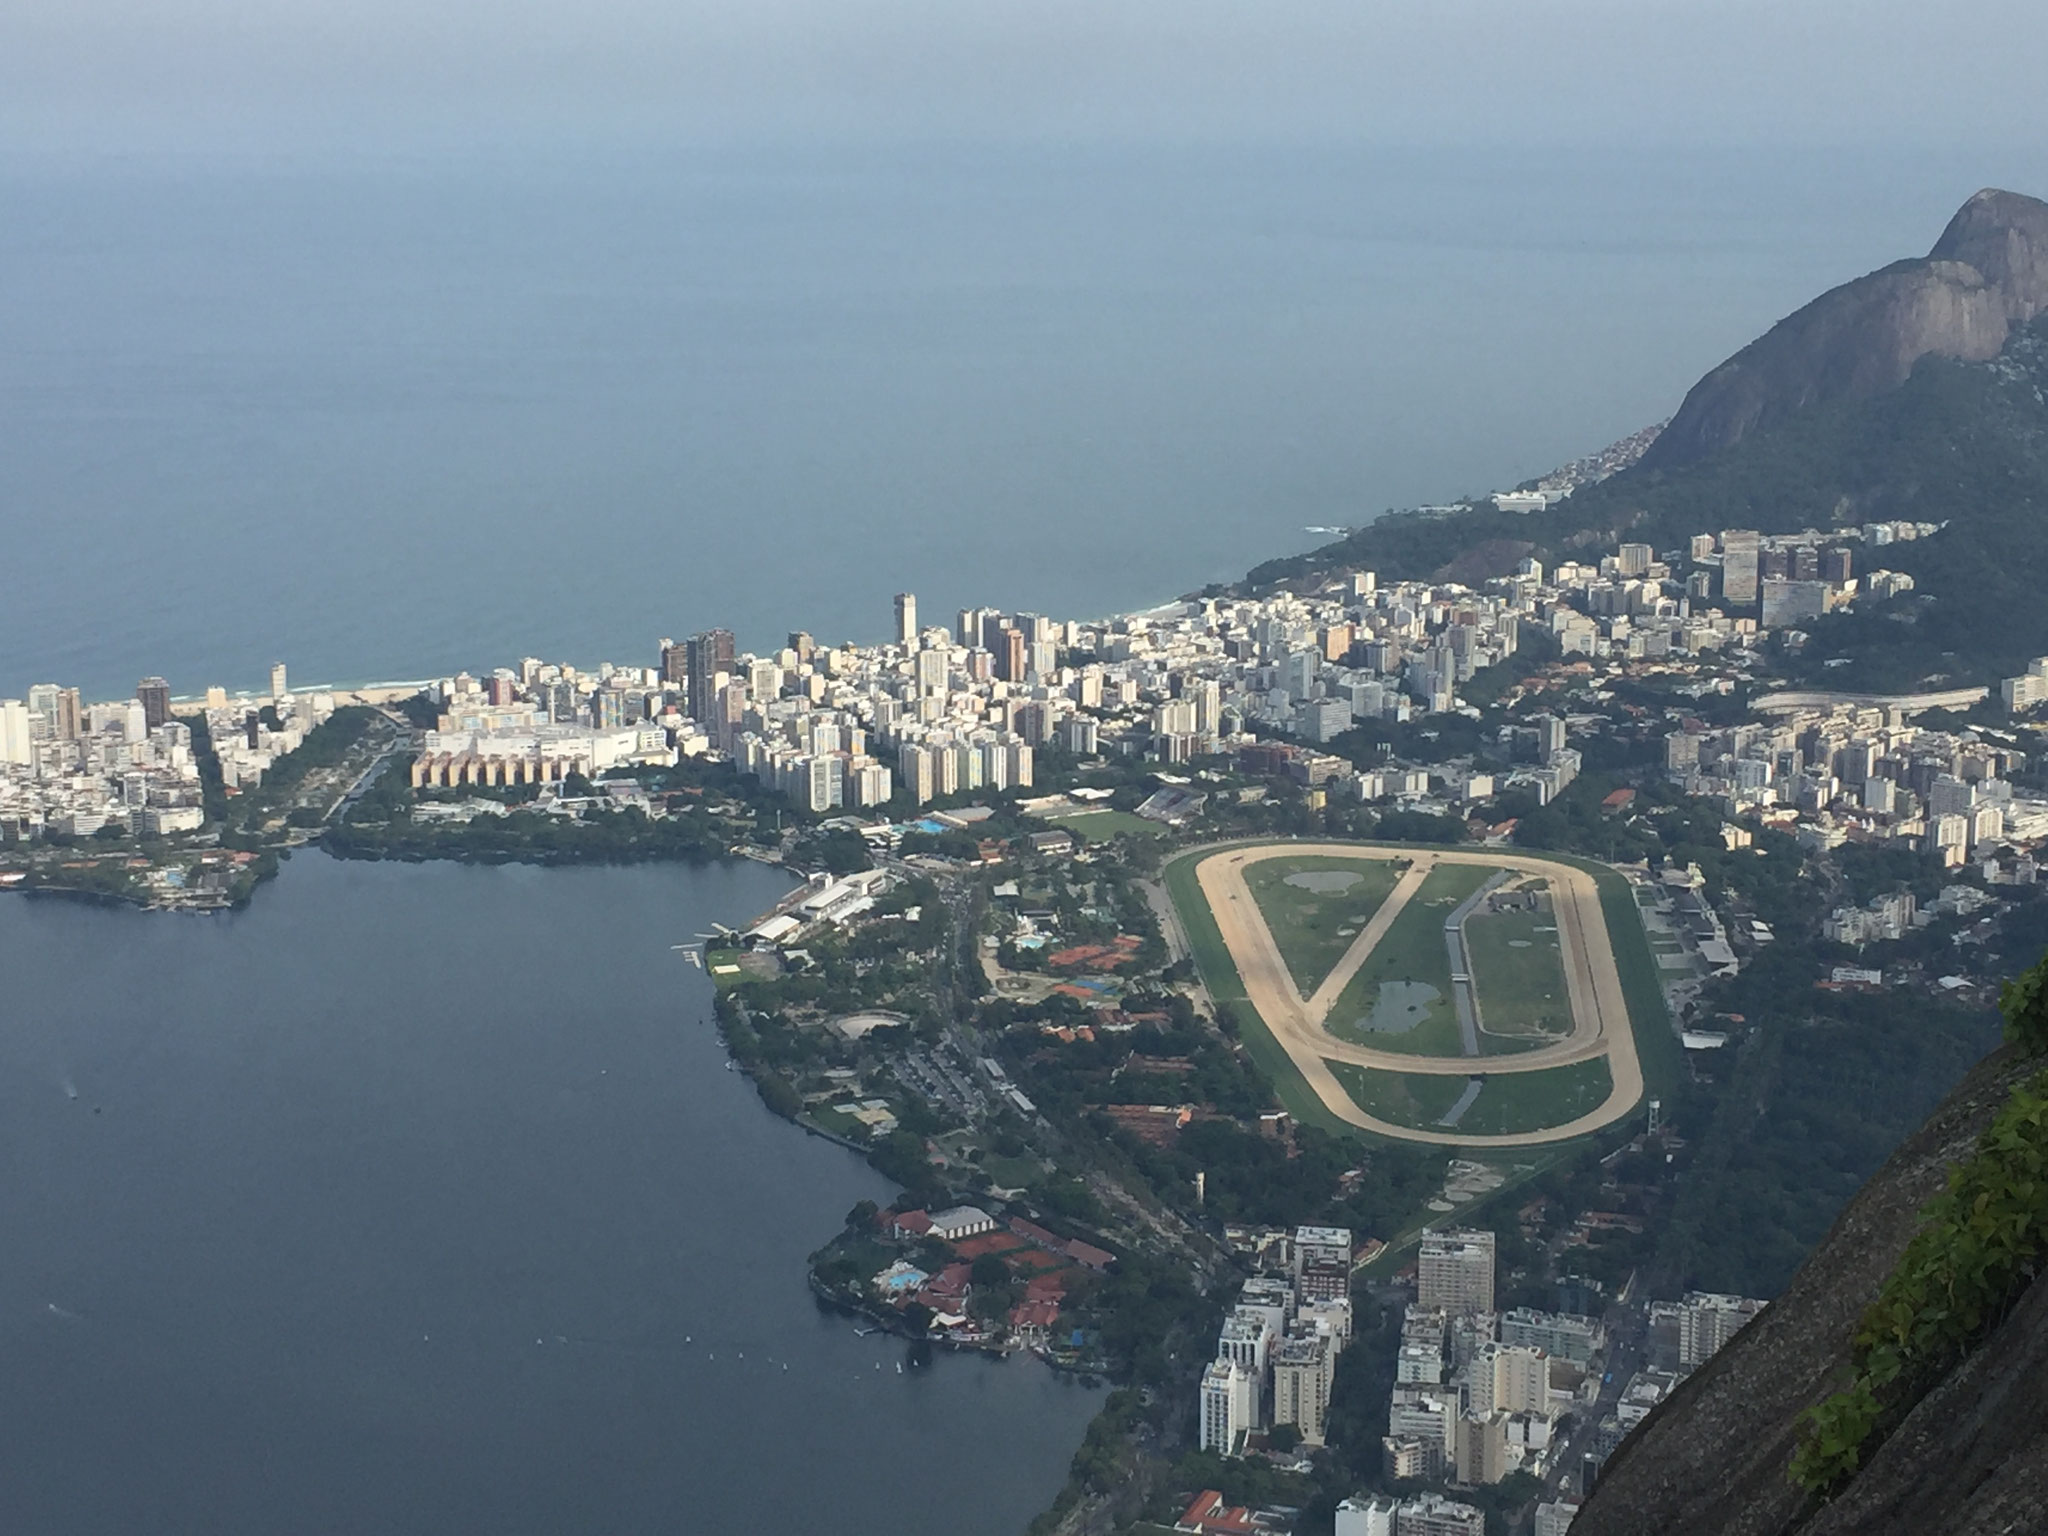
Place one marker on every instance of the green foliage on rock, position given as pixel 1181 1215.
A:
pixel 2024 1002
pixel 1983 1242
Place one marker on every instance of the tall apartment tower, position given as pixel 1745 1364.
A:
pixel 14 733
pixel 1301 1386
pixel 675 664
pixel 1706 1321
pixel 278 690
pixel 155 696
pixel 1228 1392
pixel 906 618
pixel 70 715
pixel 1455 1272
pixel 706 655
pixel 1739 551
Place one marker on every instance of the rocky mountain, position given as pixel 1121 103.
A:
pixel 1960 444
pixel 1970 1459
pixel 1986 276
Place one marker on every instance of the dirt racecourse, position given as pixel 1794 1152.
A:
pixel 1600 1023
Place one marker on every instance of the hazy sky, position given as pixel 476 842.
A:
pixel 287 73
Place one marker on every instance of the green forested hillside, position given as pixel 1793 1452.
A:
pixel 1959 443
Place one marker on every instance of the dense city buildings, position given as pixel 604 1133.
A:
pixel 1276 1355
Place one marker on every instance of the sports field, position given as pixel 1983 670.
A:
pixel 1101 826
pixel 1542 1015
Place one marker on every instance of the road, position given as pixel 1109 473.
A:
pixel 1600 1023
pixel 1627 1326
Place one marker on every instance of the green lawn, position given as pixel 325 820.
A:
pixel 1518 972
pixel 1101 826
pixel 1414 1099
pixel 1012 1172
pixel 1510 1103
pixel 1533 1101
pixel 839 1123
pixel 716 966
pixel 1315 927
pixel 1412 952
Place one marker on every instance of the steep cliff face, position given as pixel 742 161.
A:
pixel 1987 275
pixel 1970 1460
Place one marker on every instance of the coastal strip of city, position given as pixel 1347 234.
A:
pixel 1333 1012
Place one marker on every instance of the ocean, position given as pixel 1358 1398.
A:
pixel 389 417
pixel 417 1199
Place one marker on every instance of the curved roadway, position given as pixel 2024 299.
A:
pixel 1600 1025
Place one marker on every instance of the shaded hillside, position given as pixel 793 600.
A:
pixel 1959 443
pixel 1987 274
pixel 1970 1458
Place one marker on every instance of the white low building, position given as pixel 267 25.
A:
pixel 962 1221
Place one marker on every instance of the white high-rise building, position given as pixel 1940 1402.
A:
pixel 1707 1321
pixel 1227 1397
pixel 1366 1517
pixel 1554 1519
pixel 915 768
pixel 906 619
pixel 278 690
pixel 14 733
pixel 42 703
pixel 1435 1515
pixel 1246 1342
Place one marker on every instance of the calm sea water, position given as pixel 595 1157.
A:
pixel 390 418
pixel 416 1199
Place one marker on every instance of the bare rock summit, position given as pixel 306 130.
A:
pixel 1986 276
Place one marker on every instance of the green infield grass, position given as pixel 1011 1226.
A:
pixel 1508 1104
pixel 1400 1000
pixel 1315 907
pixel 1518 973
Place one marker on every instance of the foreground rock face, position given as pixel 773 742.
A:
pixel 1971 1460
pixel 1987 275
